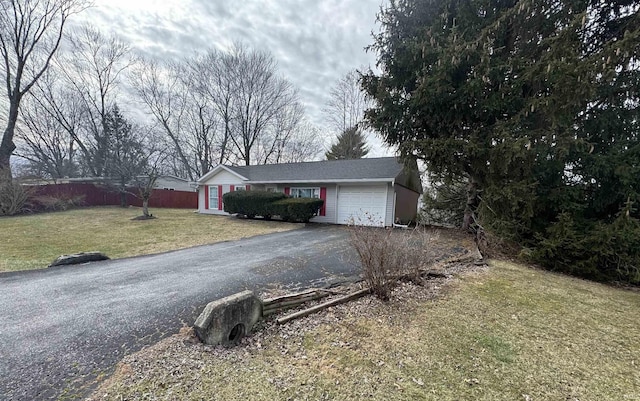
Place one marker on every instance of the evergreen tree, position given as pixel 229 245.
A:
pixel 350 145
pixel 126 158
pixel 535 105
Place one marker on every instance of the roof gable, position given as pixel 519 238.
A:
pixel 216 170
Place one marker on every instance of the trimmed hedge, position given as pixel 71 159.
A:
pixel 297 209
pixel 267 204
pixel 251 203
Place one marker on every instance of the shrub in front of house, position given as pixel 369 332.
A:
pixel 251 203
pixel 297 209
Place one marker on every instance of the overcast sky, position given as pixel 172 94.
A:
pixel 316 42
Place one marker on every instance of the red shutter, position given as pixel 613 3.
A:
pixel 231 188
pixel 219 197
pixel 206 197
pixel 323 196
pixel 248 187
pixel 287 190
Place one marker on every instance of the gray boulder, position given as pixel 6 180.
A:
pixel 77 258
pixel 227 320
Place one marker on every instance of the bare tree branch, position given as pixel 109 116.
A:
pixel 30 34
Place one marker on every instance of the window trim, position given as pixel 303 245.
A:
pixel 292 189
pixel 213 190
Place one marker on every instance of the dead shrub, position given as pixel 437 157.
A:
pixel 387 255
pixel 58 202
pixel 13 198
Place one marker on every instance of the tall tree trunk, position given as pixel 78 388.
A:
pixel 123 199
pixel 472 204
pixel 145 206
pixel 7 146
pixel 5 167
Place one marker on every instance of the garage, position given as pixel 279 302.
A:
pixel 366 205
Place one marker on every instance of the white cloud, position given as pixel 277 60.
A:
pixel 315 42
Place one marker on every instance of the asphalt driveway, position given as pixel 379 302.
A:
pixel 60 328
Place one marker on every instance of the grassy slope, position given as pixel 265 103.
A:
pixel 510 334
pixel 29 242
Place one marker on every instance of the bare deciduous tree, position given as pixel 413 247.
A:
pixel 217 72
pixel 44 142
pixel 155 157
pixel 93 68
pixel 347 103
pixel 30 35
pixel 304 144
pixel 185 99
pixel 204 139
pixel 162 90
pixel 220 107
pixel 261 97
pixel 274 143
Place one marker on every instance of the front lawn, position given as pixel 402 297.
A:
pixel 34 241
pixel 509 333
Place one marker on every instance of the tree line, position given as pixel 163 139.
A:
pixel 74 97
pixel 530 109
pixel 220 107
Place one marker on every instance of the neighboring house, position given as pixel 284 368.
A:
pixel 376 191
pixel 171 183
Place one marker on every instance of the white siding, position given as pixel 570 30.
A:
pixel 222 178
pixel 201 202
pixel 201 208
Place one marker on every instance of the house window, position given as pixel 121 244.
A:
pixel 213 197
pixel 305 193
pixel 240 188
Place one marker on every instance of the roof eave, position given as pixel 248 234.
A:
pixel 324 180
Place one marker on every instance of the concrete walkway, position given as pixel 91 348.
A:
pixel 62 327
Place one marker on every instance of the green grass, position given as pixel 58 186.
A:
pixel 34 241
pixel 513 333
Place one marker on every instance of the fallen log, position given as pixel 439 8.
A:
pixel 276 304
pixel 293 302
pixel 269 301
pixel 317 308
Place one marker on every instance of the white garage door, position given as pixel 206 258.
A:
pixel 364 205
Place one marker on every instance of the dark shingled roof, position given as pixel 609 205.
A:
pixel 357 169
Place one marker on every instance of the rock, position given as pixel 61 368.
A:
pixel 227 320
pixel 77 258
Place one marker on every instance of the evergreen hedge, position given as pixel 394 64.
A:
pixel 251 203
pixel 297 209
pixel 268 204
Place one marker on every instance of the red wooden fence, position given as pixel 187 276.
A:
pixel 94 195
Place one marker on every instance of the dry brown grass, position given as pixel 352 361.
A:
pixel 511 333
pixel 33 241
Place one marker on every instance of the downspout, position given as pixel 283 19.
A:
pixel 337 207
pixel 393 212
